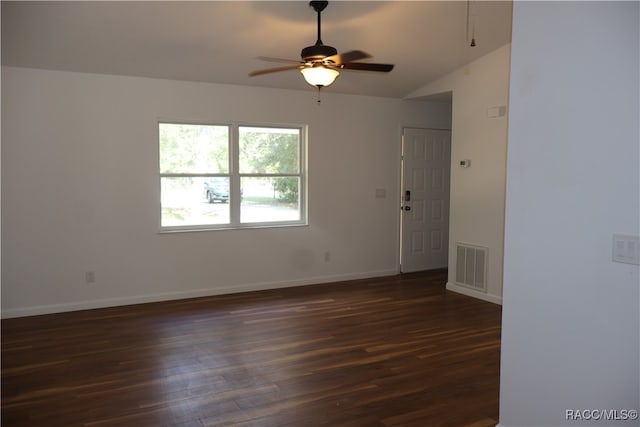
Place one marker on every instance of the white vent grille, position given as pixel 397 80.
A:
pixel 471 266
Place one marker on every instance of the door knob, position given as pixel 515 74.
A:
pixel 407 208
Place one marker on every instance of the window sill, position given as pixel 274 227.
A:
pixel 253 226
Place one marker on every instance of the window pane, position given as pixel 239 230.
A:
pixel 269 150
pixel 186 148
pixel 194 201
pixel 270 199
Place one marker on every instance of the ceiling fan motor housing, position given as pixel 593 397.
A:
pixel 317 51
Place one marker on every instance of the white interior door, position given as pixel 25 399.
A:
pixel 426 166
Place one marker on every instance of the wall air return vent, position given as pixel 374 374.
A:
pixel 471 266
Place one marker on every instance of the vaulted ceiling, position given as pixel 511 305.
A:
pixel 220 41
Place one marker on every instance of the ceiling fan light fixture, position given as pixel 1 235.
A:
pixel 319 76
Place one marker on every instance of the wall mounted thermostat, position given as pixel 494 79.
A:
pixel 465 163
pixel 499 111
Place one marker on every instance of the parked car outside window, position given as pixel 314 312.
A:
pixel 216 189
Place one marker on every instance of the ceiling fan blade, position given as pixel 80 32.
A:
pixel 352 55
pixel 366 66
pixel 275 70
pixel 283 60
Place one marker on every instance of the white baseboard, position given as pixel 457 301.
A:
pixel 167 296
pixel 473 293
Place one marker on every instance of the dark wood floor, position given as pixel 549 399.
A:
pixel 397 351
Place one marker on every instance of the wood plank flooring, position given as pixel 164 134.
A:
pixel 395 351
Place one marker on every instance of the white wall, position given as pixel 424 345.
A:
pixel 477 192
pixel 80 190
pixel 571 323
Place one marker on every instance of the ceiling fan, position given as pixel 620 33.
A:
pixel 321 63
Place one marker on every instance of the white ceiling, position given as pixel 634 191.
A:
pixel 219 42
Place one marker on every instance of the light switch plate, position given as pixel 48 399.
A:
pixel 626 249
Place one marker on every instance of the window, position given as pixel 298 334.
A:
pixel 231 176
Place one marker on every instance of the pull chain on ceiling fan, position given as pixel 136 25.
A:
pixel 321 63
pixel 471 16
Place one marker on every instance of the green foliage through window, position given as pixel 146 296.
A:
pixel 269 151
pixel 186 148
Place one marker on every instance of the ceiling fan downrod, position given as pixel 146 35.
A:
pixel 319 6
pixel 319 50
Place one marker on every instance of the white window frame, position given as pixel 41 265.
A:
pixel 235 176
